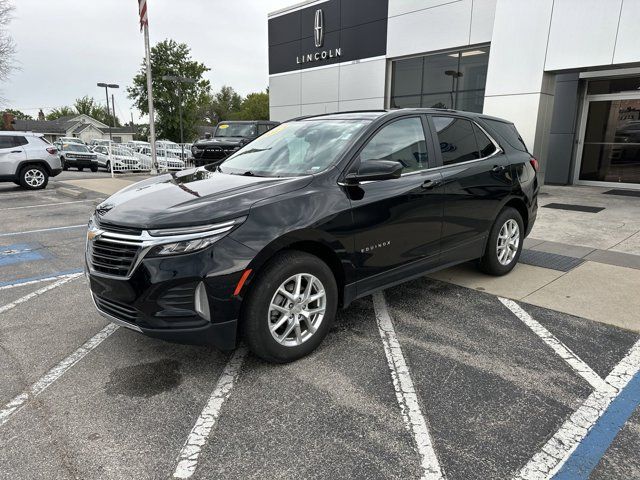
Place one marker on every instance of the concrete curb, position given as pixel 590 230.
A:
pixel 70 192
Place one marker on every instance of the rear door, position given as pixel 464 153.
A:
pixel 476 177
pixel 397 222
pixel 11 154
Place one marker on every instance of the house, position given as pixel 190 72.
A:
pixel 81 126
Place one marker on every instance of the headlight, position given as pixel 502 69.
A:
pixel 189 239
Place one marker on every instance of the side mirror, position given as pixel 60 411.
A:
pixel 371 170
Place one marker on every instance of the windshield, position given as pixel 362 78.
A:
pixel 122 151
pixel 293 149
pixel 74 147
pixel 236 130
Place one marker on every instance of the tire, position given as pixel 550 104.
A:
pixel 33 177
pixel 108 165
pixel 94 169
pixel 80 169
pixel 258 315
pixel 64 164
pixel 500 261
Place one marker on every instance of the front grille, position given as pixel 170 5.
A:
pixel 116 309
pixel 113 258
pixel 107 227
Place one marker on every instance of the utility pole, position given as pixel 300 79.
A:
pixel 152 125
pixel 180 81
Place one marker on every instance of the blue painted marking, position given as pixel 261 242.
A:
pixel 591 450
pixel 40 277
pixel 21 252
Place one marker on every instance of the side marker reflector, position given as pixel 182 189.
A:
pixel 243 279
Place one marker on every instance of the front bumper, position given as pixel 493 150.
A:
pixel 158 299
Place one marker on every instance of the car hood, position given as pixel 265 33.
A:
pixel 191 197
pixel 221 141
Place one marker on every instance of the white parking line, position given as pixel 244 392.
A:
pixel 581 368
pixel 188 457
pixel 555 453
pixel 405 391
pixel 54 374
pixel 38 292
pixel 43 230
pixel 39 280
pixel 46 205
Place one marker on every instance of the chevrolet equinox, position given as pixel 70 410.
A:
pixel 310 216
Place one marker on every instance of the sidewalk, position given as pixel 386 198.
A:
pixel 107 186
pixel 594 259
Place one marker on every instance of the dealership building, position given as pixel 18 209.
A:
pixel 566 72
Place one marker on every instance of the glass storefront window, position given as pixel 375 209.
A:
pixel 445 80
pixel 613 85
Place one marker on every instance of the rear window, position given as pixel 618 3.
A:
pixel 508 132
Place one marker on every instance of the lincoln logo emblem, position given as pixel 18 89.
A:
pixel 318 29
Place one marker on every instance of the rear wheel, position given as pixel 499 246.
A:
pixel 108 166
pixel 34 177
pixel 504 244
pixel 290 307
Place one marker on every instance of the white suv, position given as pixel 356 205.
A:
pixel 27 159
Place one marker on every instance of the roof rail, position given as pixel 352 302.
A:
pixel 336 113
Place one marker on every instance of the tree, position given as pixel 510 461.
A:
pixel 255 107
pixel 56 113
pixel 223 105
pixel 171 58
pixel 89 106
pixel 7 45
pixel 18 115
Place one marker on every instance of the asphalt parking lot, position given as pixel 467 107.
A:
pixel 427 380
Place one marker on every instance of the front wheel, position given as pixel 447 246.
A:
pixel 34 177
pixel 80 169
pixel 290 307
pixel 504 244
pixel 94 168
pixel 108 166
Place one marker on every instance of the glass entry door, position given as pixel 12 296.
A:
pixel 611 141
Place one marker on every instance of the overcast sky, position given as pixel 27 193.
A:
pixel 66 46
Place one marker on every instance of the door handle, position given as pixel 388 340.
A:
pixel 498 168
pixel 429 184
pixel 16 151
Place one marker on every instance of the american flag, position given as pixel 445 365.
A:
pixel 142 8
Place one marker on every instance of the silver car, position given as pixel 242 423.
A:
pixel 27 159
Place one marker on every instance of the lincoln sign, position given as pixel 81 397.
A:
pixel 323 55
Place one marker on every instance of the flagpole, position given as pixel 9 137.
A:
pixel 152 126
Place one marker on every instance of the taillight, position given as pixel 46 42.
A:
pixel 534 163
pixel 52 150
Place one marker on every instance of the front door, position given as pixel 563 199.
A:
pixel 611 141
pixel 397 222
pixel 11 154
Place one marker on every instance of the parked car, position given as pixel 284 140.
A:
pixel 99 141
pixel 318 212
pixel 79 156
pixel 27 159
pixel 228 138
pixel 118 157
pixel 167 159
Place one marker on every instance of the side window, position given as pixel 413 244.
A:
pixel 402 141
pixel 262 128
pixel 485 145
pixel 20 141
pixel 457 140
pixel 6 141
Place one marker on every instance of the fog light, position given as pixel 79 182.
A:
pixel 202 302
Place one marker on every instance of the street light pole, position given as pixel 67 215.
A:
pixel 179 81
pixel 106 87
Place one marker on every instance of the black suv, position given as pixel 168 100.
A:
pixel 315 213
pixel 79 156
pixel 228 138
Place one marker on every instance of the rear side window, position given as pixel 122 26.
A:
pixel 20 140
pixel 457 140
pixel 262 128
pixel 485 145
pixel 6 141
pixel 508 132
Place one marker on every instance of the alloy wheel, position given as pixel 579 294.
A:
pixel 297 309
pixel 34 177
pixel 508 242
